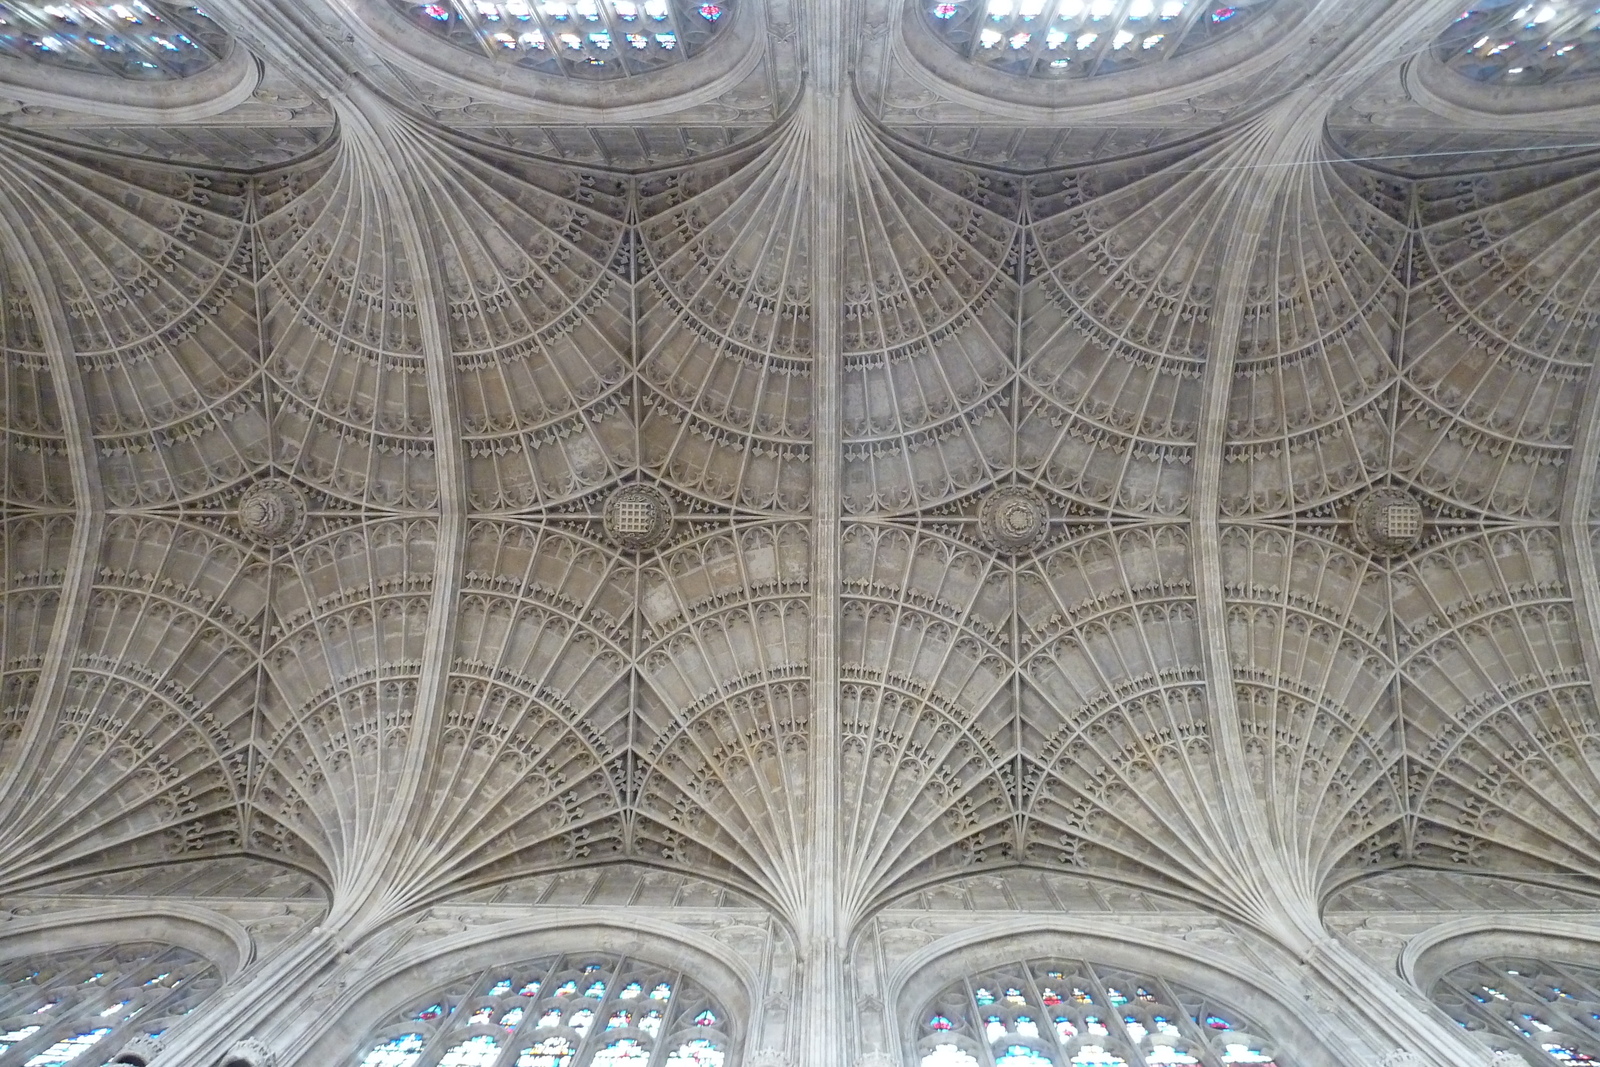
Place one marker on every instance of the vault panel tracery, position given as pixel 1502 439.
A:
pixel 1075 577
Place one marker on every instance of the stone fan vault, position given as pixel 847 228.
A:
pixel 818 510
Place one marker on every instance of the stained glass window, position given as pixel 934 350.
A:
pixel 402 1050
pixel 1060 1013
pixel 1079 38
pixel 1512 42
pixel 144 39
pixel 56 1009
pixel 591 39
pixel 1543 1011
pixel 595 1015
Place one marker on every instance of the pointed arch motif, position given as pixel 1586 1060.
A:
pixel 1058 1012
pixel 57 1007
pixel 147 759
pixel 575 1010
pixel 1541 1009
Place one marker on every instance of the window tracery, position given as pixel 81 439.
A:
pixel 1070 1013
pixel 1513 42
pixel 589 39
pixel 1542 1010
pixel 1079 38
pixel 54 1009
pixel 558 1011
pixel 148 40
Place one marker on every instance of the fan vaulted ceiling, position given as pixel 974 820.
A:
pixel 1181 471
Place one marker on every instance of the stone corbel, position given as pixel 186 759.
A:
pixel 250 1052
pixel 139 1051
pixel 875 1057
pixel 1400 1058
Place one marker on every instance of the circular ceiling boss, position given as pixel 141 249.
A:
pixel 1014 519
pixel 272 512
pixel 1387 521
pixel 638 517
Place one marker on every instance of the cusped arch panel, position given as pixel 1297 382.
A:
pixel 78 1002
pixel 1116 327
pixel 344 661
pixel 742 564
pixel 1120 767
pixel 1313 674
pixel 1498 703
pixel 519 783
pixel 35 469
pixel 932 613
pixel 528 771
pixel 1308 407
pixel 152 268
pixel 1499 337
pixel 927 705
pixel 36 550
pixel 724 717
pixel 534 264
pixel 930 304
pixel 724 319
pixel 146 758
pixel 344 347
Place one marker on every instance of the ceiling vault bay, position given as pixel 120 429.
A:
pixel 826 330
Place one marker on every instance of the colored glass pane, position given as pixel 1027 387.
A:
pixel 623 1052
pixel 1080 38
pixel 480 1050
pixel 551 1052
pixel 696 1053
pixel 400 1051
pixel 68 1049
pixel 139 39
pixel 574 38
pixel 1512 42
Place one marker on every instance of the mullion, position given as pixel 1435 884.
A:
pixel 138 44
pixel 1559 1015
pixel 551 32
pixel 1036 51
pixel 1525 992
pixel 1590 993
pixel 1180 27
pixel 523 1031
pixel 1048 1022
pixel 1199 1040
pixel 448 1033
pixel 670 1014
pixel 1136 1053
pixel 1104 45
pixel 978 1024
pixel 619 38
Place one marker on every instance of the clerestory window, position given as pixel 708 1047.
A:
pixel 560 1011
pixel 1070 1013
pixel 147 40
pixel 1545 1012
pixel 590 39
pixel 89 1003
pixel 1079 38
pixel 1519 43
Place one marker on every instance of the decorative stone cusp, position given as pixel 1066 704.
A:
pixel 1014 519
pixel 1388 520
pixel 638 517
pixel 272 512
